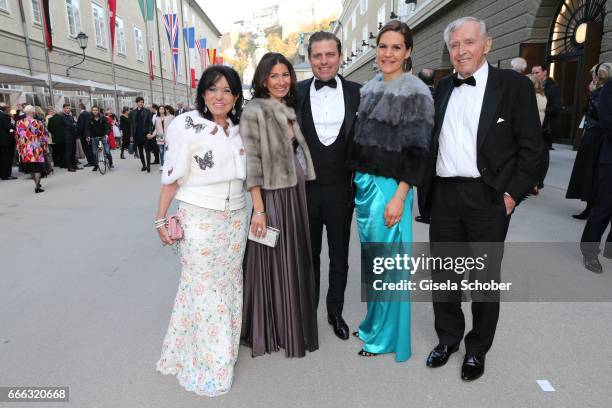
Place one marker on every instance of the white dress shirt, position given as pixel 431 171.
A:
pixel 327 107
pixel 458 136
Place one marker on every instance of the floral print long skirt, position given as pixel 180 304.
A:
pixel 201 345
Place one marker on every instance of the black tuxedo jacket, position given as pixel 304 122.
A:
pixel 147 124
pixel 330 163
pixel 350 90
pixel 82 122
pixel 7 137
pixel 509 135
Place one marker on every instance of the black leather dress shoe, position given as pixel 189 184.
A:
pixel 582 216
pixel 593 264
pixel 440 354
pixel 472 368
pixel 340 327
pixel 420 218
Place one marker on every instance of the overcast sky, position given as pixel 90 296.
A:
pixel 224 12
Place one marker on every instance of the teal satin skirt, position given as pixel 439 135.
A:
pixel 386 326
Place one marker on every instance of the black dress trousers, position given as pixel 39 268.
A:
pixel 600 216
pixel 330 205
pixel 466 212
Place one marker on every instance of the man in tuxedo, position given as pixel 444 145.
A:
pixel 55 126
pixel 7 144
pixel 82 122
pixel 141 123
pixel 601 214
pixel 70 127
pixel 327 105
pixel 179 109
pixel 485 149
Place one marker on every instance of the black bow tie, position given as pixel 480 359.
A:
pixel 320 84
pixel 468 81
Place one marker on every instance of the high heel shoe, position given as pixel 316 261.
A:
pixel 39 190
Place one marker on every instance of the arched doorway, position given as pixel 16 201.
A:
pixel 573 48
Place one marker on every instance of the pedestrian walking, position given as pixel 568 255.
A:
pixel 32 143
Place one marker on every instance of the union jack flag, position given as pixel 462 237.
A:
pixel 171 24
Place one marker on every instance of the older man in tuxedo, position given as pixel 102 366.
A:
pixel 485 150
pixel 327 105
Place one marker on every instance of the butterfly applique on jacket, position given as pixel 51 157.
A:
pixel 198 127
pixel 206 161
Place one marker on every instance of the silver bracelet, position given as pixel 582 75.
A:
pixel 260 213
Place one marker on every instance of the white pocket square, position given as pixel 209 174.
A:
pixel 500 120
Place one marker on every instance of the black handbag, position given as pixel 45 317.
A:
pixel 131 148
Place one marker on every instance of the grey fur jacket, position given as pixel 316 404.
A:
pixel 393 129
pixel 264 128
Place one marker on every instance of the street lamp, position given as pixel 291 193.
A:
pixel 82 40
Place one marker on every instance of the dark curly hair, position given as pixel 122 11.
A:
pixel 209 77
pixel 262 72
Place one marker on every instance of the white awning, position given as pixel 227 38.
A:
pixel 125 91
pixel 13 76
pixel 97 87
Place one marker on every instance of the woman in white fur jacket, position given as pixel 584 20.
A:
pixel 205 170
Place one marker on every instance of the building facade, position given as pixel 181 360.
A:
pixel 571 35
pixel 21 48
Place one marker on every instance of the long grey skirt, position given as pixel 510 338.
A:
pixel 279 308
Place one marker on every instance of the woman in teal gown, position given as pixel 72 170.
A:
pixel 389 154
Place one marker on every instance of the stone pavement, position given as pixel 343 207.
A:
pixel 87 289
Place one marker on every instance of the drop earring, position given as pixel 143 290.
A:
pixel 205 108
pixel 234 110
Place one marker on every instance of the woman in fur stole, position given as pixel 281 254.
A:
pixel 279 308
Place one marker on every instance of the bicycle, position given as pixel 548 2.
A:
pixel 101 158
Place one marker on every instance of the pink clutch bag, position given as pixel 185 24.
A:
pixel 174 227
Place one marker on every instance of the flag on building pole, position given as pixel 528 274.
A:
pixel 201 45
pixel 219 61
pixel 151 69
pixel 189 36
pixel 112 10
pixel 171 24
pixel 212 55
pixel 147 8
pixel 47 24
pixel 194 82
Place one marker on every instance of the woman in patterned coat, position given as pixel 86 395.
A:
pixel 32 143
